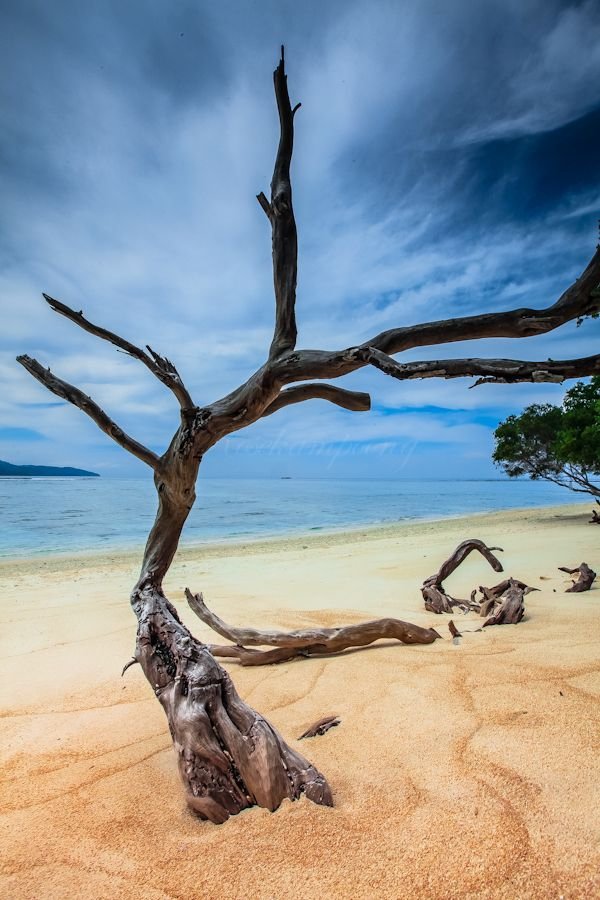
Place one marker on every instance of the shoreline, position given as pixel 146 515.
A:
pixel 260 543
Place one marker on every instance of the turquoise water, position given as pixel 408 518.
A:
pixel 54 515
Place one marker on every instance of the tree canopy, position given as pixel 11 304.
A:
pixel 555 443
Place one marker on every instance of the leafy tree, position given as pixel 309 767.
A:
pixel 555 443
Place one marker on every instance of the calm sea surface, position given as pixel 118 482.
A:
pixel 54 515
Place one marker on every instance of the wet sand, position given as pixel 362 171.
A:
pixel 466 770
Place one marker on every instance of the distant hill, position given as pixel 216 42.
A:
pixel 7 468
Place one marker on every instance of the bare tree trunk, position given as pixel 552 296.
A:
pixel 229 756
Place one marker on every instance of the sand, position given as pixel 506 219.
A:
pixel 457 771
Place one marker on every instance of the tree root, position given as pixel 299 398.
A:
pixel 304 642
pixel 229 757
pixel 585 580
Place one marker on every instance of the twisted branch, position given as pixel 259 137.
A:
pixel 304 642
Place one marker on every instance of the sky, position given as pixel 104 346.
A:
pixel 446 163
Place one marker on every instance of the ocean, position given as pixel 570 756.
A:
pixel 58 515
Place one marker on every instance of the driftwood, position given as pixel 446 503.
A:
pixel 229 757
pixel 584 581
pixel 500 605
pixel 435 596
pixel 595 520
pixel 304 642
pixel 504 603
pixel 320 727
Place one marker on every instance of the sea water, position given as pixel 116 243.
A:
pixel 58 515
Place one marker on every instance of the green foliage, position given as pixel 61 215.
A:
pixel 557 443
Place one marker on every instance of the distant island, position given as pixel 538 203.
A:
pixel 7 468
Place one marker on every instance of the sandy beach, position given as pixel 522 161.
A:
pixel 466 770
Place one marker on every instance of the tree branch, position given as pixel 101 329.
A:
pixel 352 400
pixel 305 364
pixel 73 395
pixel 489 370
pixel 306 641
pixel 161 367
pixel 283 224
pixel 581 299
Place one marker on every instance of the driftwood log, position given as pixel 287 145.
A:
pixel 437 600
pixel 595 520
pixel 585 580
pixel 304 642
pixel 229 757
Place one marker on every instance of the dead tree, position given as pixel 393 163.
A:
pixel 229 757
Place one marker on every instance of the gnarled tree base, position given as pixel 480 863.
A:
pixel 229 757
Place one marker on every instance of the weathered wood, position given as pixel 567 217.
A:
pixel 595 520
pixel 585 579
pixel 503 604
pixel 229 757
pixel 320 727
pixel 509 606
pixel 306 641
pixel 435 596
pixel 283 223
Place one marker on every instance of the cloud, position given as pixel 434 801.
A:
pixel 443 166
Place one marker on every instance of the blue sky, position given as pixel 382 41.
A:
pixel 446 162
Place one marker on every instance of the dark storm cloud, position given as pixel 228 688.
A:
pixel 446 162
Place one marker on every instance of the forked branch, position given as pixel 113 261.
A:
pixel 160 366
pixel 73 395
pixel 581 299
